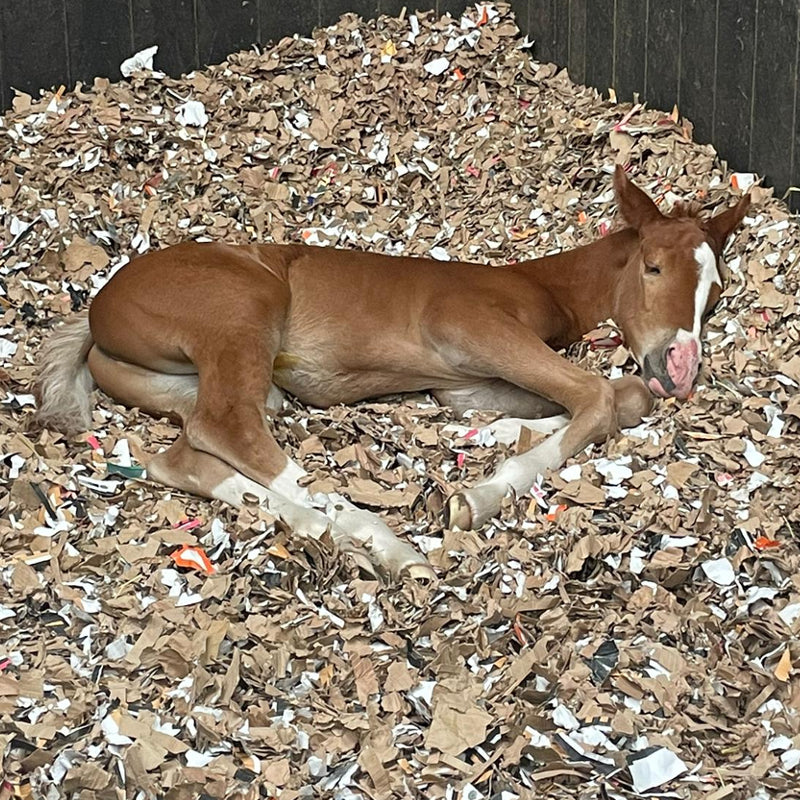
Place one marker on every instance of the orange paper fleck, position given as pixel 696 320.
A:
pixel 458 73
pixel 191 557
pixel 553 515
pixel 484 17
pixel 279 551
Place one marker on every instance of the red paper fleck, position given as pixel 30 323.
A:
pixel 519 632
pixel 723 478
pixel 764 543
pixel 187 524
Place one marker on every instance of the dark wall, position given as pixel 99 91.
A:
pixel 731 66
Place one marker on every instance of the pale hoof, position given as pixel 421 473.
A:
pixel 459 513
pixel 423 573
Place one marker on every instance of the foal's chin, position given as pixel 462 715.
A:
pixel 657 388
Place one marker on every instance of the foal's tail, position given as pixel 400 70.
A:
pixel 64 380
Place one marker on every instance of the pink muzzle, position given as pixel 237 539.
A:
pixel 682 365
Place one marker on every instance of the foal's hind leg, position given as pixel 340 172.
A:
pixel 158 393
pixel 355 531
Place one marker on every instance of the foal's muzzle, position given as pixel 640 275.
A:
pixel 670 371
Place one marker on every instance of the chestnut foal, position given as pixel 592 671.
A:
pixel 206 332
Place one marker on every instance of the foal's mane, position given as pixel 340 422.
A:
pixel 681 209
pixel 685 209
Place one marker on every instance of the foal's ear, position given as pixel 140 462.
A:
pixel 720 227
pixel 636 207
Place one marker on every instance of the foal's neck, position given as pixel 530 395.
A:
pixel 584 282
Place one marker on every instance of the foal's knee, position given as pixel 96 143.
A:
pixel 633 400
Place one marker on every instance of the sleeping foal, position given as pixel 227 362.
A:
pixel 206 332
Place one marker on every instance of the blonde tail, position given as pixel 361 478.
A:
pixel 65 383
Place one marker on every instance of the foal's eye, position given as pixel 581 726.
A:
pixel 652 269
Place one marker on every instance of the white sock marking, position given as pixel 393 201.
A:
pixel 285 483
pixel 507 429
pixel 349 525
pixel 521 472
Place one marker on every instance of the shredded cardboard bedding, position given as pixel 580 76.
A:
pixel 627 628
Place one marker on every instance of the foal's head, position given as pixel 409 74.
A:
pixel 673 279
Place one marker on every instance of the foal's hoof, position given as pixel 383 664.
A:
pixel 422 573
pixel 459 514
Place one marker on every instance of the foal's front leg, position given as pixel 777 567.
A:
pixel 597 408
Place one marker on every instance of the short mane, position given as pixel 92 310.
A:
pixel 685 209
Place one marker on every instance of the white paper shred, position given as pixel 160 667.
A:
pixel 614 470
pixel 753 457
pixel 655 769
pixel 564 718
pixel 437 66
pixel 7 349
pixel 720 571
pixel 192 112
pixel 744 180
pixel 790 759
pixel 570 473
pixel 790 613
pixel 143 60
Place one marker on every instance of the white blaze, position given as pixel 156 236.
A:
pixel 707 276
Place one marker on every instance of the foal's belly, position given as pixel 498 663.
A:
pixel 333 358
pixel 321 386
